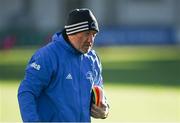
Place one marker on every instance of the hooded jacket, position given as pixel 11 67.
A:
pixel 58 83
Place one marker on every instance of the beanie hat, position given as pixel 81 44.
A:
pixel 81 20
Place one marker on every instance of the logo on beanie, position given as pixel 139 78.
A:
pixel 93 25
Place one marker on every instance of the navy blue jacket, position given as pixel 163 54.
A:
pixel 58 82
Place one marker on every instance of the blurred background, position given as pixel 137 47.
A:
pixel 138 43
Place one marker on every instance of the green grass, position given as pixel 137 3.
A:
pixel 143 104
pixel 9 110
pixel 142 82
pixel 157 65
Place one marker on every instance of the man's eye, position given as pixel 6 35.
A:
pixel 87 33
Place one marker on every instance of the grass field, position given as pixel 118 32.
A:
pixel 142 83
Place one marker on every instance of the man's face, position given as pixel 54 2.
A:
pixel 84 40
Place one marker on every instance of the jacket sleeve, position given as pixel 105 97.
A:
pixel 37 77
pixel 99 78
pixel 97 72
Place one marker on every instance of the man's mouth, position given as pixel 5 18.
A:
pixel 87 45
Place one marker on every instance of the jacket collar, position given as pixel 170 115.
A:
pixel 63 40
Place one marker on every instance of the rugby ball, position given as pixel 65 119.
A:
pixel 97 95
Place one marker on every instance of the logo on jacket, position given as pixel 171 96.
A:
pixel 89 75
pixel 69 76
pixel 35 66
pixel 92 76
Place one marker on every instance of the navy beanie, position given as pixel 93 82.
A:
pixel 81 20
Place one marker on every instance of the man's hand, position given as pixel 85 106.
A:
pixel 100 112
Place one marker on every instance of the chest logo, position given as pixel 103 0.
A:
pixel 69 76
pixel 89 76
pixel 92 76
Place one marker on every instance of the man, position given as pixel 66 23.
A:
pixel 59 77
